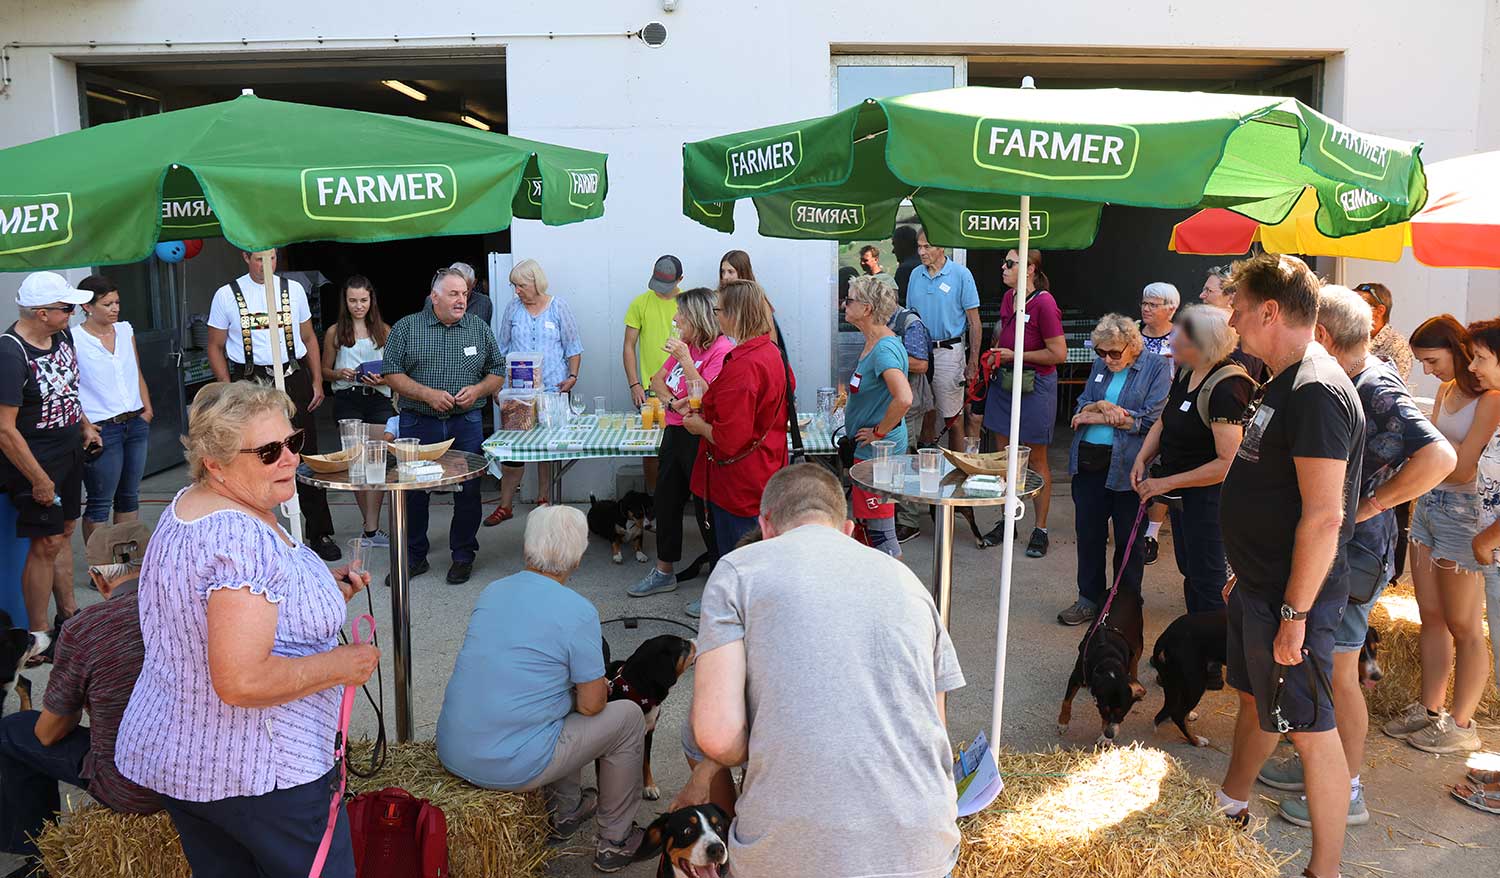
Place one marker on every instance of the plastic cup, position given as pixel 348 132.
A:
pixel 374 462
pixel 359 553
pixel 407 450
pixel 648 415
pixel 696 389
pixel 599 405
pixel 929 469
pixel 884 466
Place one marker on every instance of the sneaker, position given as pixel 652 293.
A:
pixel 1152 549
pixel 1444 736
pixel 459 572
pixel 1295 811
pixel 379 539
pixel 413 571
pixel 906 533
pixel 1038 545
pixel 612 856
pixel 694 609
pixel 564 827
pixel 327 548
pixel 501 513
pixel 655 582
pixel 996 536
pixel 1413 719
pixel 1082 611
pixel 1284 774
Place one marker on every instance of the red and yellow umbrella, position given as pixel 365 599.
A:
pixel 1458 228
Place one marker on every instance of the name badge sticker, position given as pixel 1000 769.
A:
pixel 945 288
pixel 470 351
pixel 549 326
pixel 1098 378
pixel 1187 405
pixel 854 383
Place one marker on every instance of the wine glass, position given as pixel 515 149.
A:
pixel 577 404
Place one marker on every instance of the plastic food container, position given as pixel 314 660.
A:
pixel 523 370
pixel 518 409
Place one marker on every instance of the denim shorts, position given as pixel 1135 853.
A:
pixel 1446 523
pixel 1350 635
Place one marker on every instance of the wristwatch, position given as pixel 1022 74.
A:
pixel 1290 614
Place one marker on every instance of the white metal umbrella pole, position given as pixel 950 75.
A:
pixel 292 507
pixel 1013 504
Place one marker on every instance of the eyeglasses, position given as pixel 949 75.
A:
pixel 1109 355
pixel 1010 263
pixel 66 308
pixel 270 452
pixel 1151 303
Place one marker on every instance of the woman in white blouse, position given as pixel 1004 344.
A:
pixel 115 399
pixel 358 338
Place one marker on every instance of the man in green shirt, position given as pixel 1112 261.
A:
pixel 648 325
pixel 445 363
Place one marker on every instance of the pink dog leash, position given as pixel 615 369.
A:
pixel 340 748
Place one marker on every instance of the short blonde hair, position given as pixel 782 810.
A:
pixel 218 417
pixel 530 271
pixel 555 539
pixel 1208 329
pixel 877 294
pixel 744 302
pixel 1118 327
pixel 697 309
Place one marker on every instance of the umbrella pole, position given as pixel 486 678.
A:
pixel 292 507
pixel 1013 505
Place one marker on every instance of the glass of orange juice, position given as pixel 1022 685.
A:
pixel 648 415
pixel 696 389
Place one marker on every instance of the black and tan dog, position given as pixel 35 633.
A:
pixel 645 678
pixel 1181 657
pixel 14 644
pixel 622 521
pixel 1108 657
pixel 692 843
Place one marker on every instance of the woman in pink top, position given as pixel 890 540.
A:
pixel 696 357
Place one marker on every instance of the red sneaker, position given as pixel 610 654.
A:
pixel 501 513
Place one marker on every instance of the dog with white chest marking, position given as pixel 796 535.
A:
pixel 622 521
pixel 15 643
pixel 646 678
pixel 691 842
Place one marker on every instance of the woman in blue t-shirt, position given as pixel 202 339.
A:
pixel 879 396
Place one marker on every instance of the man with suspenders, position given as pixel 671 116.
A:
pixel 239 349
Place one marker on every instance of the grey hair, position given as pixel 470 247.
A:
pixel 465 271
pixel 1209 330
pixel 877 294
pixel 531 271
pixel 555 539
pixel 1118 326
pixel 1345 316
pixel 445 273
pixel 1222 272
pixel 218 417
pixel 113 572
pixel 1162 291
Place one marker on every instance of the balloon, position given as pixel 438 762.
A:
pixel 171 251
pixel 194 247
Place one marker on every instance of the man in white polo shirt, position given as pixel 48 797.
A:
pixel 239 349
pixel 943 293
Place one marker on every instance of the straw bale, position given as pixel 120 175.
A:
pixel 489 833
pixel 1400 654
pixel 1129 811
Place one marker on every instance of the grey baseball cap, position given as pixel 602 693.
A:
pixel 666 275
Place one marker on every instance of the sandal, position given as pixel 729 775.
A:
pixel 1482 797
pixel 501 513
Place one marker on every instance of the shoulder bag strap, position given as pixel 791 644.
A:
pixel 1206 389
pixel 247 324
pixel 794 432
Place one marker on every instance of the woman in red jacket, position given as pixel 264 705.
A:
pixel 744 416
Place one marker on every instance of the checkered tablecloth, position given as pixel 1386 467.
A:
pixel 583 440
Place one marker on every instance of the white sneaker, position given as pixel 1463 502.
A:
pixel 1444 736
pixel 379 540
pixel 1414 718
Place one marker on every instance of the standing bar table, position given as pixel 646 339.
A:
pixel 950 496
pixel 458 467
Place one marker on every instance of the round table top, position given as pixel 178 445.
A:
pixel 458 467
pixel 950 490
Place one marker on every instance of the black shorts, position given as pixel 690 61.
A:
pixel 1252 668
pixel 32 518
pixel 372 408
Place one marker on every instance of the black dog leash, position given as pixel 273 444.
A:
pixel 1317 679
pixel 633 622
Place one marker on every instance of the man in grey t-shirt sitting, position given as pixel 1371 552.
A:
pixel 823 668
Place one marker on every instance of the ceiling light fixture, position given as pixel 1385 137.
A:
pixel 475 121
pixel 99 95
pixel 405 89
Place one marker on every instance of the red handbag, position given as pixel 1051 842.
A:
pixel 397 835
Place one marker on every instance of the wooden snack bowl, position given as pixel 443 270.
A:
pixel 992 464
pixel 428 452
pixel 336 462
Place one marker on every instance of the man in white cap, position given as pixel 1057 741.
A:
pixel 43 434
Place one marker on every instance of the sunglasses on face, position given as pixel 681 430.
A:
pixel 270 452
pixel 1009 263
pixel 1109 355
pixel 66 308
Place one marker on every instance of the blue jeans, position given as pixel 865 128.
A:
pixel 1095 508
pixel 29 774
pixel 274 835
pixel 115 476
pixel 463 533
pixel 1199 546
pixel 729 528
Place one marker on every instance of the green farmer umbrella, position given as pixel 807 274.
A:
pixel 1002 168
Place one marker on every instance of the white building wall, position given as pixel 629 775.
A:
pixel 734 64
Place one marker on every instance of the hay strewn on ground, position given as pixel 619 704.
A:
pixel 1129 812
pixel 1395 617
pixel 489 833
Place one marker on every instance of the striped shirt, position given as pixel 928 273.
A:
pixel 552 333
pixel 178 737
pixel 442 356
pixel 99 656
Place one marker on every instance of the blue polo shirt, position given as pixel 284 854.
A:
pixel 943 300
